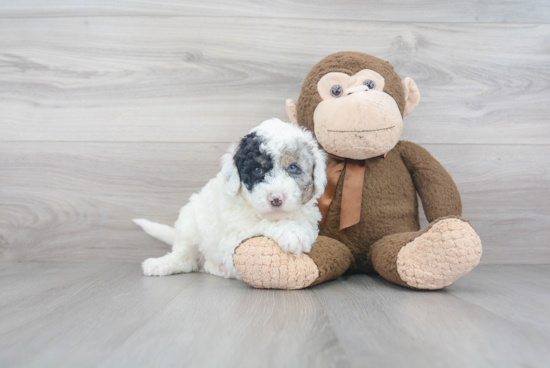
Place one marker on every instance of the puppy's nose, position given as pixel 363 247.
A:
pixel 276 199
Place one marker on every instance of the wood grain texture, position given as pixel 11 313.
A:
pixel 488 291
pixel 64 201
pixel 385 325
pixel 111 110
pixel 509 11
pixel 76 200
pixel 196 320
pixel 204 79
pixel 109 315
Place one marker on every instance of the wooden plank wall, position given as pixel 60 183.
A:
pixel 111 110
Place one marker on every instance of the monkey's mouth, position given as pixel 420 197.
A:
pixel 359 131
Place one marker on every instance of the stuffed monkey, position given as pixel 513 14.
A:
pixel 354 103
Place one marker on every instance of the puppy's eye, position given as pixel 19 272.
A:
pixel 293 169
pixel 336 91
pixel 370 84
pixel 258 171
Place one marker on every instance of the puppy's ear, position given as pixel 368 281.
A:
pixel 319 170
pixel 230 174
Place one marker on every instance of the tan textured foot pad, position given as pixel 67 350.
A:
pixel 261 263
pixel 437 258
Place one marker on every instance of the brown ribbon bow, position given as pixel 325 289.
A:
pixel 352 192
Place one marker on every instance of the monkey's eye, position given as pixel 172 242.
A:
pixel 293 169
pixel 336 91
pixel 258 171
pixel 370 84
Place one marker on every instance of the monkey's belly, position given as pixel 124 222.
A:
pixel 388 206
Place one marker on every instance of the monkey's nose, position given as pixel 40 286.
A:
pixel 361 88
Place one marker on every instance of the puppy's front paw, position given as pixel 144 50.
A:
pixel 157 267
pixel 295 242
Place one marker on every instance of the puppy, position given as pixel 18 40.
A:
pixel 268 185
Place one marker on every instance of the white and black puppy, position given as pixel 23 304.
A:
pixel 268 185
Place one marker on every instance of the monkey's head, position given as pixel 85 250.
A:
pixel 354 103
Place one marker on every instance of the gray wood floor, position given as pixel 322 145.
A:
pixel 109 315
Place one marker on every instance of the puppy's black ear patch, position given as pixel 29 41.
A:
pixel 251 162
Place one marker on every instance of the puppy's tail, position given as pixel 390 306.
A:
pixel 162 232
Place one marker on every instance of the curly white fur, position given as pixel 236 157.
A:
pixel 225 212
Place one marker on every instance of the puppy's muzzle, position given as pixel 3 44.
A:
pixel 276 199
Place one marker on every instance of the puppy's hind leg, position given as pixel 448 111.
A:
pixel 183 258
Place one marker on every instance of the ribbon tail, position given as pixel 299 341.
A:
pixel 334 170
pixel 352 193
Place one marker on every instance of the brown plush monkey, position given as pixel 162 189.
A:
pixel 355 104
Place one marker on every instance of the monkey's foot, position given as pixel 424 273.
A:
pixel 261 263
pixel 438 257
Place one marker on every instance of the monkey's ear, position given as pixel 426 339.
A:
pixel 231 179
pixel 412 96
pixel 291 111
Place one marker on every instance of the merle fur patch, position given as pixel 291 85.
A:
pixel 249 158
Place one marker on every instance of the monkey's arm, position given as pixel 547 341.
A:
pixel 434 185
